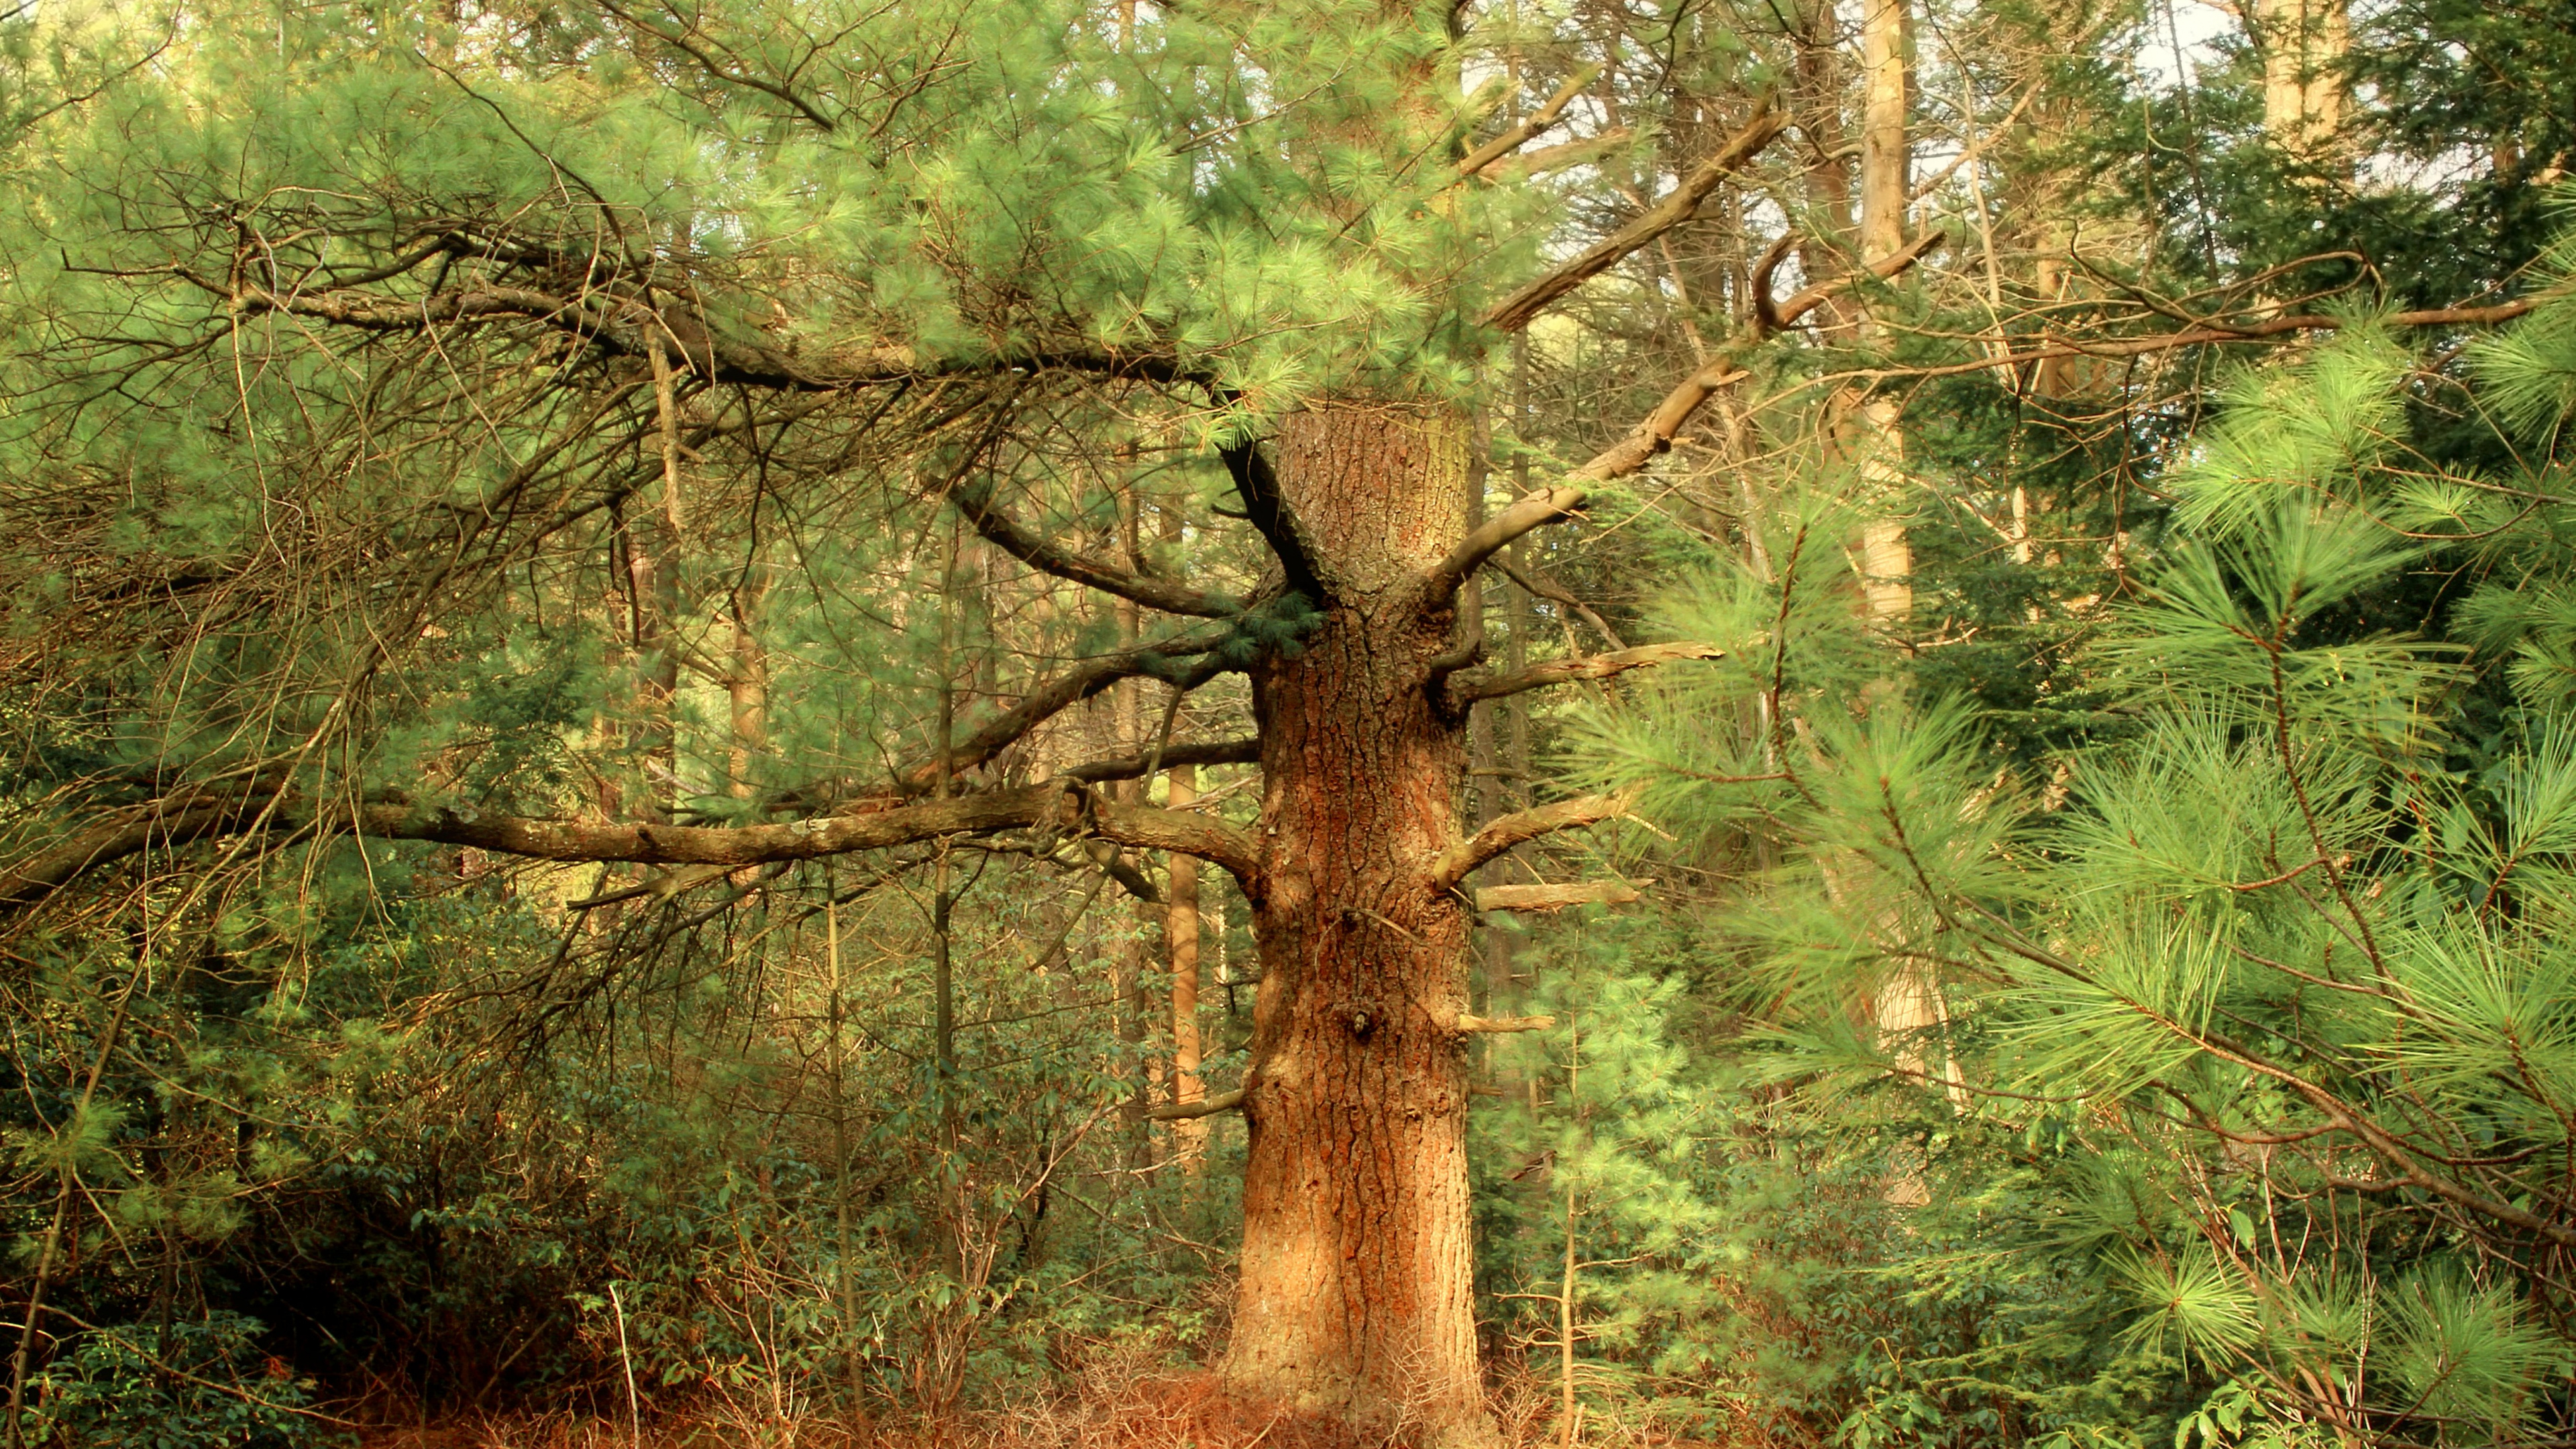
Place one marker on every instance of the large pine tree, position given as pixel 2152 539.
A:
pixel 412 409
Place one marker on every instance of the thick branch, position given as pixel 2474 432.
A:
pixel 1186 832
pixel 1537 510
pixel 1258 486
pixel 975 501
pixel 1678 206
pixel 1246 751
pixel 1056 806
pixel 1566 671
pixel 1770 317
pixel 39 875
pixel 1522 826
pixel 1039 705
pixel 1505 1023
pixel 1204 1107
pixel 626 328
pixel 1557 897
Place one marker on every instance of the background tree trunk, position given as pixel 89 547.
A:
pixel 1181 936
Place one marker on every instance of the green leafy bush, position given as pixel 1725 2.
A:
pixel 209 1388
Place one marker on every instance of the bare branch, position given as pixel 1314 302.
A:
pixel 1530 126
pixel 1539 898
pixel 1565 671
pixel 716 71
pixel 1539 585
pixel 1677 206
pixel 1044 703
pixel 975 501
pixel 1654 437
pixel 1505 1023
pixel 1204 1107
pixel 1540 508
pixel 624 327
pixel 1246 751
pixel 1057 805
pixel 1522 826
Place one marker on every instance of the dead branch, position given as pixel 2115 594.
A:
pixel 1679 205
pixel 1530 126
pixel 1541 898
pixel 1469 689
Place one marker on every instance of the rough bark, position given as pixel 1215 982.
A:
pixel 1355 1297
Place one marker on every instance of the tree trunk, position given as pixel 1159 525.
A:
pixel 2303 44
pixel 1356 1291
pixel 1884 150
pixel 1181 938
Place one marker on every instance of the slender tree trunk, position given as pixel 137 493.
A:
pixel 1886 557
pixel 1181 935
pixel 1355 1297
pixel 747 684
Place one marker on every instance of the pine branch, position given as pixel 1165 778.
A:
pixel 624 327
pixel 1059 806
pixel 1542 898
pixel 975 502
pixel 1678 206
pixel 1246 751
pixel 1530 126
pixel 1521 827
pixel 1464 692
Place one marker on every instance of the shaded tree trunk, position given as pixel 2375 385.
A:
pixel 1356 1289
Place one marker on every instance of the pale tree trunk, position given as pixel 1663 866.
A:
pixel 1886 559
pixel 1181 937
pixel 1356 1296
pixel 1908 1005
pixel 1818 99
pixel 2302 43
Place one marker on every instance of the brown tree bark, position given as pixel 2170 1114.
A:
pixel 1355 1297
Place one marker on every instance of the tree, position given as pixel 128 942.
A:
pixel 415 404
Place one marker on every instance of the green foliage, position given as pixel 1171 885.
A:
pixel 2295 981
pixel 202 1385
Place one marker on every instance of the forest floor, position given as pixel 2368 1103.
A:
pixel 1160 1412
pixel 1164 1411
